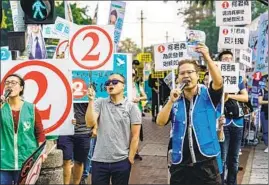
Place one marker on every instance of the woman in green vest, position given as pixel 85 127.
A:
pixel 138 96
pixel 21 130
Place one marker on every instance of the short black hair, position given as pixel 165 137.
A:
pixel 135 62
pixel 121 75
pixel 22 82
pixel 224 53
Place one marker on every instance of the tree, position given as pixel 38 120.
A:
pixel 79 14
pixel 128 46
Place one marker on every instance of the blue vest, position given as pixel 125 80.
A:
pixel 204 126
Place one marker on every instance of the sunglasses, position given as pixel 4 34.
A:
pixel 114 82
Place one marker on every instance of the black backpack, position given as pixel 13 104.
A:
pixel 232 109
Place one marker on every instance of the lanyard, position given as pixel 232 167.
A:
pixel 193 158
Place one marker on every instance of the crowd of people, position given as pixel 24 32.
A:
pixel 108 130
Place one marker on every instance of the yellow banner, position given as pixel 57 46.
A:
pixel 144 57
pixel 159 74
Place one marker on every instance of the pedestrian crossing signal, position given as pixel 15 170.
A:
pixel 38 11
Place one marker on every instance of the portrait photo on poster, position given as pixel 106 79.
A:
pixel 35 42
pixel 113 17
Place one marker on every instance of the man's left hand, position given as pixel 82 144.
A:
pixel 202 48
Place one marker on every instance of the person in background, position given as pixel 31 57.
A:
pixel 138 96
pixel 206 79
pixel 233 128
pixel 88 162
pixel 154 84
pixel 21 130
pixel 263 101
pixel 75 147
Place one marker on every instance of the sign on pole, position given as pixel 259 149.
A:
pixel 233 38
pixel 47 85
pixel 253 43
pixel 230 75
pixel 91 47
pixel 233 12
pixel 168 55
pixel 62 27
pixel 246 57
pixel 82 79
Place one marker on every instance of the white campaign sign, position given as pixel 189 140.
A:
pixel 48 32
pixel 47 84
pixel 230 74
pixel 246 57
pixel 227 37
pixel 168 55
pixel 62 27
pixel 233 12
pixel 91 47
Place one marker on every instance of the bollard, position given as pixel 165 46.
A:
pixel 52 171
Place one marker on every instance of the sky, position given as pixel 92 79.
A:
pixel 160 18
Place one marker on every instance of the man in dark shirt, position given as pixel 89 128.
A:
pixel 195 149
pixel 76 147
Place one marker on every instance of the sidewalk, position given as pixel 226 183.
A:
pixel 257 167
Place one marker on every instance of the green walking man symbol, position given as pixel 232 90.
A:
pixel 37 6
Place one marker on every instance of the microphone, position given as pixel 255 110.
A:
pixel 182 86
pixel 6 95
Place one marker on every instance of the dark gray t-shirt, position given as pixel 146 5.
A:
pixel 114 129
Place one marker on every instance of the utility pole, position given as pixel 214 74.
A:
pixel 166 36
pixel 142 31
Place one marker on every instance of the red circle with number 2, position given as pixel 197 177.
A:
pixel 62 77
pixel 95 39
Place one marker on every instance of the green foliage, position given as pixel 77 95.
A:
pixel 79 14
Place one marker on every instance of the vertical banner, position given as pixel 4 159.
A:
pixel 116 17
pixel 17 16
pixel 35 43
pixel 262 48
pixel 253 43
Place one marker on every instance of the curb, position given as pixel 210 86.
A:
pixel 246 177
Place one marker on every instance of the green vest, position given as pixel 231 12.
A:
pixel 17 147
pixel 139 92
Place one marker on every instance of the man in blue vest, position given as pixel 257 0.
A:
pixel 195 150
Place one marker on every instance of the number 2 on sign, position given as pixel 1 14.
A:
pixel 95 40
pixel 42 83
pixel 77 87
